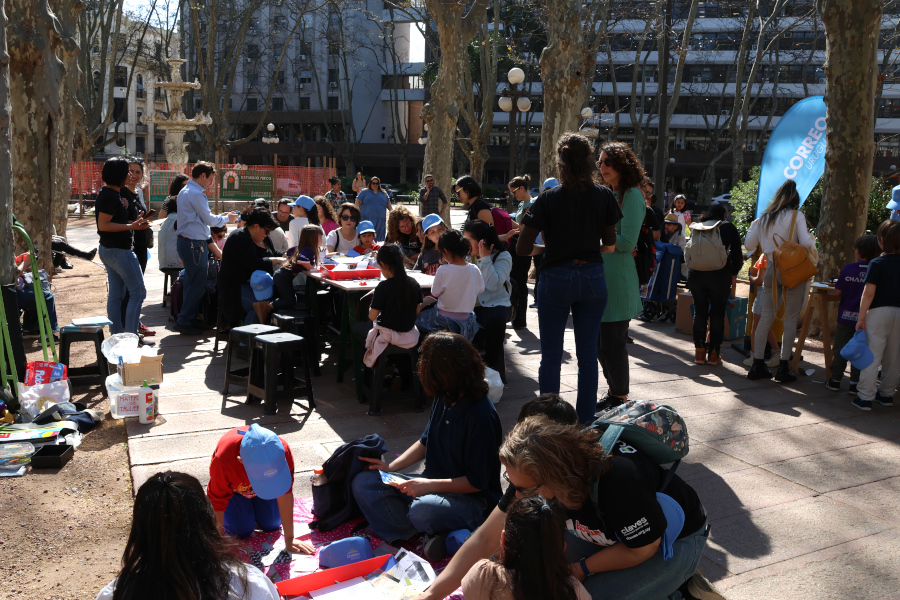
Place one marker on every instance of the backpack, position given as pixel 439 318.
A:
pixel 645 251
pixel 791 261
pixel 502 220
pixel 333 502
pixel 705 250
pixel 657 431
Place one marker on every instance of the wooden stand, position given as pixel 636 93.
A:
pixel 819 294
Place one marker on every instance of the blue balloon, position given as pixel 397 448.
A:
pixel 796 150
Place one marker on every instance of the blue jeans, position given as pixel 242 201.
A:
pixel 194 256
pixel 244 514
pixel 247 300
pixel 653 579
pixel 394 516
pixel 28 303
pixel 123 272
pixel 581 289
pixel 432 320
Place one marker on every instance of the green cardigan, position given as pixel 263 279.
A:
pixel 624 301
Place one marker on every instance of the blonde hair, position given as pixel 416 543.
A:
pixel 563 458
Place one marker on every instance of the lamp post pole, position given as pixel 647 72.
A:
pixel 662 125
pixel 513 101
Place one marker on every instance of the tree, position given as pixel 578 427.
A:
pixel 7 245
pixel 455 28
pixel 851 70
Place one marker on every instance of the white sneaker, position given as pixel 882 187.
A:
pixel 773 362
pixel 748 362
pixel 700 588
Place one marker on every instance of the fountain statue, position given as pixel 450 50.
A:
pixel 175 123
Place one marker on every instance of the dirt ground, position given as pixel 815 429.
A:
pixel 62 531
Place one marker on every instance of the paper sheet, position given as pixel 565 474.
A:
pixel 413 571
pixel 352 589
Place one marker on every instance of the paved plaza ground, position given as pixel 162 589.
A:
pixel 801 487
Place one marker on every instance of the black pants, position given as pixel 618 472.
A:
pixel 612 352
pixel 520 267
pixel 493 322
pixel 710 298
pixel 538 259
pixel 58 244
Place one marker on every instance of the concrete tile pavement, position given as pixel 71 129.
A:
pixel 801 488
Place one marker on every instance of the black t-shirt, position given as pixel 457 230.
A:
pixel 884 273
pixel 572 223
pixel 651 221
pixel 409 244
pixel 476 207
pixel 660 217
pixel 109 202
pixel 135 208
pixel 397 303
pixel 627 509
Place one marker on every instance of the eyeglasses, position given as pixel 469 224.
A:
pixel 518 490
pixel 429 181
pixel 349 218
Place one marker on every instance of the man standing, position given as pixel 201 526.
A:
pixel 194 221
pixel 428 198
pixel 283 216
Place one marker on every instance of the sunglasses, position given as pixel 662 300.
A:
pixel 607 162
pixel 429 181
pixel 518 490
pixel 349 218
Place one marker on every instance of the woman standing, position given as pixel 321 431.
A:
pixel 781 222
pixel 518 188
pixel 374 204
pixel 359 183
pixel 123 270
pixel 346 238
pixel 623 173
pixel 711 288
pixel 468 192
pixel 335 195
pixel 578 222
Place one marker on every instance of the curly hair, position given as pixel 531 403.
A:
pixel 626 164
pixel 450 368
pixel 327 208
pixel 395 217
pixel 575 161
pixel 563 458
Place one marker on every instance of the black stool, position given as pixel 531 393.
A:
pixel 236 335
pixel 93 374
pixel 272 355
pixel 170 274
pixel 300 322
pixel 373 391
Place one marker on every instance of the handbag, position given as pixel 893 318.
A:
pixel 791 261
pixel 148 237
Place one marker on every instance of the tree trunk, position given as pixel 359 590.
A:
pixel 851 71
pixel 567 65
pixel 7 241
pixel 455 28
pixel 36 79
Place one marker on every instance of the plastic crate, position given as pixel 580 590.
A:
pixel 368 273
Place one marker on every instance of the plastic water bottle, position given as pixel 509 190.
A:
pixel 318 477
pixel 147 411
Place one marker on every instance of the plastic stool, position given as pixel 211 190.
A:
pixel 93 374
pixel 170 274
pixel 373 391
pixel 236 335
pixel 300 322
pixel 272 355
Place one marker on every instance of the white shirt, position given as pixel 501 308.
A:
pixel 259 587
pixel 336 240
pixel 297 223
pixel 279 240
pixel 780 226
pixel 457 287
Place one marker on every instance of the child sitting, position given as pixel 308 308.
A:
pixel 757 274
pixel 300 259
pixel 396 303
pixel 879 316
pixel 849 287
pixel 456 287
pixel 366 231
pixel 304 213
pixel 430 258
pixel 532 561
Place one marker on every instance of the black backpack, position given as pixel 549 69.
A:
pixel 645 251
pixel 333 503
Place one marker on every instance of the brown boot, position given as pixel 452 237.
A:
pixel 700 356
pixel 713 358
pixel 263 309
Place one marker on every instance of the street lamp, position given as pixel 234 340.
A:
pixel 271 138
pixel 513 101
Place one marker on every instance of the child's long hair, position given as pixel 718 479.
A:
pixel 391 256
pixel 309 236
pixel 534 551
pixel 486 232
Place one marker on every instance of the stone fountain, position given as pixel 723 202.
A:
pixel 175 123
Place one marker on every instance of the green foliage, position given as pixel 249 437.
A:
pixel 878 210
pixel 743 199
pixel 490 191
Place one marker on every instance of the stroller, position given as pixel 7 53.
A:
pixel 661 292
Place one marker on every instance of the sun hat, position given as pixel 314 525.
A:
pixel 857 351
pixel 430 221
pixel 344 552
pixel 304 202
pixel 673 219
pixel 549 183
pixel 262 455
pixel 261 283
pixel 365 227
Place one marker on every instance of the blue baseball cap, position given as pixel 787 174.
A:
pixel 857 351
pixel 455 540
pixel 430 221
pixel 262 455
pixel 894 202
pixel 304 202
pixel 365 227
pixel 344 552
pixel 261 283
pixel 549 184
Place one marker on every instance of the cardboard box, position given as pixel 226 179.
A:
pixel 135 374
pixel 735 316
pixel 684 315
pixel 315 581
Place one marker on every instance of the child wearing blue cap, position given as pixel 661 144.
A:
pixel 430 257
pixel 366 231
pixel 251 478
pixel 305 213
pixel 879 316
